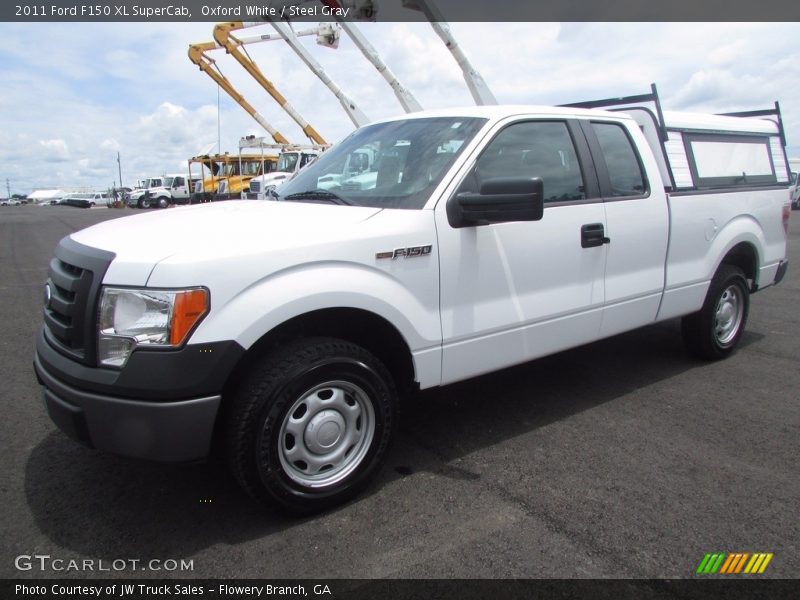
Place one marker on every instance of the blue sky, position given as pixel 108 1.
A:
pixel 74 94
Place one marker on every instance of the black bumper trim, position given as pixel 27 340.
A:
pixel 193 371
pixel 782 268
pixel 161 431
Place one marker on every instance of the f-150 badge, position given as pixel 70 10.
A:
pixel 409 252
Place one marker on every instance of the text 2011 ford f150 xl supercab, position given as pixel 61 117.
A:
pixel 479 239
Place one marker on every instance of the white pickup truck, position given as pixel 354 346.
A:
pixel 488 236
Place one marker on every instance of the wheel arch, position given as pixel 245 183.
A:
pixel 744 255
pixel 740 243
pixel 366 329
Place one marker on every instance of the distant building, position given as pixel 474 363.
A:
pixel 45 196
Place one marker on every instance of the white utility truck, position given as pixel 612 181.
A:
pixel 174 188
pixel 290 159
pixel 486 237
pixel 162 192
pixel 289 163
pixel 138 197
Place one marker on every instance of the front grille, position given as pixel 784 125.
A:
pixel 70 315
pixel 69 285
pixel 255 186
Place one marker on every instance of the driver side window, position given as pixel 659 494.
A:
pixel 532 149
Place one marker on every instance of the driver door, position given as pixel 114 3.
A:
pixel 511 292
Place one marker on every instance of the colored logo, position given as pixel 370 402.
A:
pixel 728 563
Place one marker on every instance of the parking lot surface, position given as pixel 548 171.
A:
pixel 624 458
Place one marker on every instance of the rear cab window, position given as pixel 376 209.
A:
pixel 623 173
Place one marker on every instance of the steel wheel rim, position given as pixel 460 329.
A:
pixel 728 315
pixel 326 434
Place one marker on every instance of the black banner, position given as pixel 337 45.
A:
pixel 427 589
pixel 399 10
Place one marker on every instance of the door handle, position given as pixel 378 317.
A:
pixel 593 235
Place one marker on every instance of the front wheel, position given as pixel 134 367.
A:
pixel 713 332
pixel 310 424
pixel 162 202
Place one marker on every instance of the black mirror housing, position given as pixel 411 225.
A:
pixel 501 200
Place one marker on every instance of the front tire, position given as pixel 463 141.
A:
pixel 162 202
pixel 713 332
pixel 310 424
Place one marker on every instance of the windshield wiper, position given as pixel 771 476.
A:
pixel 318 194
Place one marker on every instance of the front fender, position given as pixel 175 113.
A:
pixel 284 295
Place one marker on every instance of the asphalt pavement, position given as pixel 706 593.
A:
pixel 624 459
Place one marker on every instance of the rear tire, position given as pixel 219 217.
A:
pixel 713 332
pixel 310 424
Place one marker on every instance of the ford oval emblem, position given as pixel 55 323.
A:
pixel 48 295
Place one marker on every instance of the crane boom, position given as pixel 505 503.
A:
pixel 197 54
pixel 477 86
pixel 356 115
pixel 404 96
pixel 223 37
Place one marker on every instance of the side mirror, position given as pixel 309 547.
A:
pixel 501 200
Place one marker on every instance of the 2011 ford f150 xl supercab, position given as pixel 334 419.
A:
pixel 480 238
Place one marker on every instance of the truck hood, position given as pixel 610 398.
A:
pixel 215 230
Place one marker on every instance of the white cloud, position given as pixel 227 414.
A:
pixel 54 150
pixel 109 144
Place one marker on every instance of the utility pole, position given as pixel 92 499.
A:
pixel 119 165
pixel 8 188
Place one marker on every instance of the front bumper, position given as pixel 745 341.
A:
pixel 162 431
pixel 162 406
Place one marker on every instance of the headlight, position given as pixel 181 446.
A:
pixel 130 318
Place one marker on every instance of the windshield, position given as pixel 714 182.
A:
pixel 168 181
pixel 287 162
pixel 251 168
pixel 387 165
